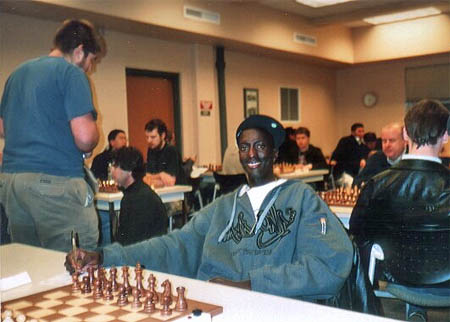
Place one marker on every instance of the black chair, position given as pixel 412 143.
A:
pixel 357 292
pixel 227 183
pixel 415 269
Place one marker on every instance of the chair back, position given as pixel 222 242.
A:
pixel 228 183
pixel 417 257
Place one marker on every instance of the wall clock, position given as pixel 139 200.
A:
pixel 370 99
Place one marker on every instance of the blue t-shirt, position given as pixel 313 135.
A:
pixel 40 98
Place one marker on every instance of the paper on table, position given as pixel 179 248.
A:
pixel 198 171
pixel 17 280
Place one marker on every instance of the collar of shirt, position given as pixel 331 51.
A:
pixel 421 157
pixel 257 194
pixel 392 162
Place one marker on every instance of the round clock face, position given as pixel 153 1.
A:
pixel 369 99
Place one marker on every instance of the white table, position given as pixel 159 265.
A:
pixel 110 201
pixel 343 213
pixel 305 176
pixel 238 305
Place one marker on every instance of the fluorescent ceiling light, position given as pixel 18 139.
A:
pixel 320 3
pixel 405 15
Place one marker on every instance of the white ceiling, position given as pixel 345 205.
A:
pixel 348 13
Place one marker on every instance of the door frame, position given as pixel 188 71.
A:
pixel 174 79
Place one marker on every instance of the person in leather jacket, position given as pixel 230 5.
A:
pixel 413 193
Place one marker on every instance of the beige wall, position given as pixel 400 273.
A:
pixel 330 100
pixel 387 80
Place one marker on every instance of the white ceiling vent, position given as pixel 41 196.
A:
pixel 201 15
pixel 305 39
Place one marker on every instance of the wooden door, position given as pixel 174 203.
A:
pixel 148 98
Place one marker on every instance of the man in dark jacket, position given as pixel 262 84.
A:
pixel 142 213
pixel 308 155
pixel 412 194
pixel 394 147
pixel 349 152
pixel 100 165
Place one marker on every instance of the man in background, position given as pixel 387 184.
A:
pixel 100 165
pixel 309 156
pixel 164 164
pixel 413 193
pixel 273 235
pixel 47 129
pixel 350 153
pixel 142 213
pixel 393 147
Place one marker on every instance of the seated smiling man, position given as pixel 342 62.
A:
pixel 267 236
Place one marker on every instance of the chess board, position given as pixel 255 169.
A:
pixel 341 197
pixel 66 304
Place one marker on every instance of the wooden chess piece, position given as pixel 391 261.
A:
pixel 75 284
pixel 126 282
pixel 113 278
pixel 181 304
pixel 86 285
pixel 167 292
pixel 108 296
pixel 139 285
pixel 165 302
pixel 136 302
pixel 98 293
pixel 152 287
pixel 90 270
pixel 123 297
pixel 149 306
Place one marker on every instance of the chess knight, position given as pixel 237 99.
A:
pixel 267 236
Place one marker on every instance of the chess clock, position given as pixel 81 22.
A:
pixel 370 99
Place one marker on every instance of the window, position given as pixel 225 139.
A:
pixel 290 104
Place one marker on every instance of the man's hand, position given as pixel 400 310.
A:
pixel 79 259
pixel 242 284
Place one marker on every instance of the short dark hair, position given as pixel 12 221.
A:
pixel 113 134
pixel 129 159
pixel 303 130
pixel 156 124
pixel 73 33
pixel 289 130
pixel 370 137
pixel 356 126
pixel 426 122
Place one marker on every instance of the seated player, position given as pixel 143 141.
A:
pixel 142 213
pixel 308 155
pixel 164 164
pixel 393 147
pixel 350 153
pixel 272 235
pixel 288 151
pixel 414 193
pixel 100 164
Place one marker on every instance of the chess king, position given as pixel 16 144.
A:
pixel 267 236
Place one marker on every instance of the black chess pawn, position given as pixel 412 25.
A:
pixel 86 285
pixel 75 284
pixel 108 295
pixel 98 293
pixel 123 297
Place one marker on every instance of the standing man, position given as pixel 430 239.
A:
pixel 350 153
pixel 142 213
pixel 164 164
pixel 415 192
pixel 393 146
pixel 48 120
pixel 273 235
pixel 116 140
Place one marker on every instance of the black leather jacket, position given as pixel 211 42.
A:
pixel 413 195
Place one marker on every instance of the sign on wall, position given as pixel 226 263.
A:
pixel 205 108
